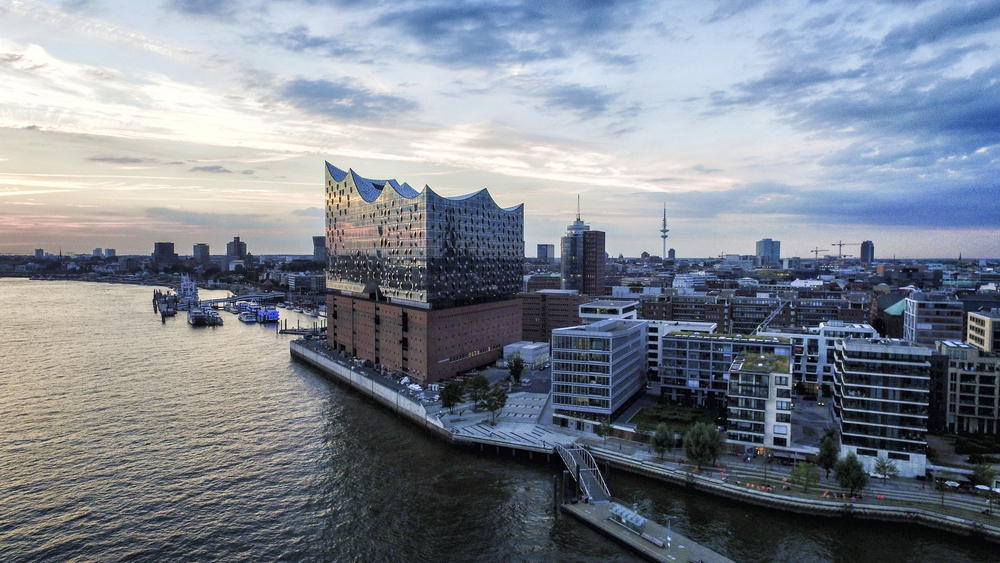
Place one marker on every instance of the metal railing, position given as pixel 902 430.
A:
pixel 580 463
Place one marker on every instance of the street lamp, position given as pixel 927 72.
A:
pixel 669 538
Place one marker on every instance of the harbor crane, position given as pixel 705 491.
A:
pixel 840 250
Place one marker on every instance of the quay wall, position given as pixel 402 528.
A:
pixel 801 506
pixel 401 404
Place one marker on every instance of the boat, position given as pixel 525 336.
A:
pixel 281 305
pixel 214 319
pixel 197 317
pixel 312 312
pixel 298 309
pixel 187 293
pixel 248 317
pixel 268 315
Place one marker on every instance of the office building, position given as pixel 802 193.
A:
pixel 598 370
pixel 548 309
pixel 39 253
pixel 236 250
pixel 98 252
pixel 932 316
pixel 769 253
pixel 983 330
pixel 671 254
pixel 110 253
pixel 973 389
pixel 546 253
pixel 163 253
pixel 759 412
pixel 319 250
pixel 867 253
pixel 694 369
pixel 583 259
pixel 882 396
pixel 418 282
pixel 600 310
pixel 200 253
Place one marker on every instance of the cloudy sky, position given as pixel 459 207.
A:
pixel 810 122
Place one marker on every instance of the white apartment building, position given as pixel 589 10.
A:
pixel 973 394
pixel 812 355
pixel 760 402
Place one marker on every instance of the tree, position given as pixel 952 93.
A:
pixel 604 429
pixel 452 394
pixel 662 439
pixel 703 444
pixel 805 474
pixel 885 467
pixel 495 400
pixel 850 473
pixel 983 474
pixel 477 387
pixel 829 452
pixel 516 365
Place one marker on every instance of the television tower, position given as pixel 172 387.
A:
pixel 664 232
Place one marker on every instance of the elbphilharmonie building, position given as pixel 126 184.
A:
pixel 423 284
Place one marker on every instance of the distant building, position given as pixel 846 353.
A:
pixel 671 255
pixel 422 284
pixel 929 317
pixel 307 282
pixel 39 253
pixel 812 352
pixel 319 249
pixel 163 253
pixel 583 259
pixel 760 402
pixel 546 253
pixel 201 254
pixel 882 400
pixel 598 370
pixel 867 253
pixel 601 310
pixel 538 282
pixel 769 253
pixel 236 250
pixel 110 253
pixel 549 309
pixel 983 330
pixel 98 252
pixel 534 354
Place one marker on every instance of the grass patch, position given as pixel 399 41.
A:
pixel 677 418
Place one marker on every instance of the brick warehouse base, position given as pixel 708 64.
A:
pixel 427 345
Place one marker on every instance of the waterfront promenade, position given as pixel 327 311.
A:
pixel 520 427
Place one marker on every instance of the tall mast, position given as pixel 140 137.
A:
pixel 664 232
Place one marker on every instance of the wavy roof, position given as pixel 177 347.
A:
pixel 370 189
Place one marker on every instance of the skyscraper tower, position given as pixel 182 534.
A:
pixel 582 257
pixel 664 232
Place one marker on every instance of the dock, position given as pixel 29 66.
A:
pixel 675 546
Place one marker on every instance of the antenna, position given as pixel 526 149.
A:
pixel 664 232
pixel 577 207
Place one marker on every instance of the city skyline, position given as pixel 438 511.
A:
pixel 188 121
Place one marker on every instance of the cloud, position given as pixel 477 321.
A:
pixel 215 8
pixel 474 33
pixel 587 102
pixel 950 22
pixel 310 212
pixel 340 100
pixel 218 220
pixel 121 160
pixel 298 39
pixel 215 168
pixel 729 8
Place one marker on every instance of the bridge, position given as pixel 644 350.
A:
pixel 583 468
pixel 247 297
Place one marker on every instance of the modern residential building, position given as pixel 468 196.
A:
pixel 867 253
pixel 882 396
pixel 694 369
pixel 546 253
pixel 583 259
pixel 932 316
pixel 812 352
pixel 201 254
pixel 319 249
pixel 973 389
pixel 759 412
pixel 548 309
pixel 420 283
pixel 983 330
pixel 769 253
pixel 598 370
pixel 306 282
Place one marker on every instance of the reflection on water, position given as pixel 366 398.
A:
pixel 124 438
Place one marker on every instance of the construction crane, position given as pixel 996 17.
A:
pixel 841 244
pixel 816 252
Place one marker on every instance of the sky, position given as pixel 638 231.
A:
pixel 812 122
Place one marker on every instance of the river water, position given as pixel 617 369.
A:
pixel 126 439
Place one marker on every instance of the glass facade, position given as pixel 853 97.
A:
pixel 422 249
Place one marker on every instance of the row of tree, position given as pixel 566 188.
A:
pixel 477 389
